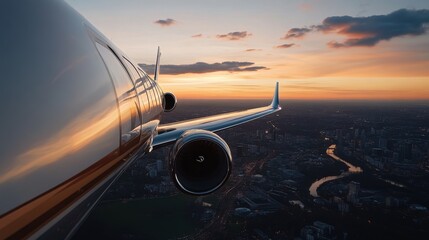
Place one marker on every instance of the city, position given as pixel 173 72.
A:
pixel 303 120
pixel 316 170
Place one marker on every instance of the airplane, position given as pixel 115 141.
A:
pixel 76 112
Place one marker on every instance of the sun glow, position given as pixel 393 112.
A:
pixel 370 61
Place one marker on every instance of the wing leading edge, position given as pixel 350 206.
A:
pixel 169 133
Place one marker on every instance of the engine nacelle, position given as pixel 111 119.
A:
pixel 170 102
pixel 200 162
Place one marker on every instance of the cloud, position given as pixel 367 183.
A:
pixel 252 50
pixel 197 35
pixel 234 35
pixel 202 67
pixel 287 45
pixel 297 32
pixel 369 31
pixel 165 22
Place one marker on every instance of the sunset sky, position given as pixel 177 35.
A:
pixel 321 49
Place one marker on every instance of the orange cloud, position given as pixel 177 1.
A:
pixel 287 45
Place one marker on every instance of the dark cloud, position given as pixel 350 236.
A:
pixel 287 45
pixel 165 22
pixel 197 35
pixel 369 31
pixel 202 67
pixel 297 32
pixel 234 35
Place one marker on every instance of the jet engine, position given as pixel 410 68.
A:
pixel 200 162
pixel 169 102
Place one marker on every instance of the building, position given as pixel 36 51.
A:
pixel 159 165
pixel 318 231
pixel 353 194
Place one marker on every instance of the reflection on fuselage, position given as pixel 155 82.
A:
pixel 75 136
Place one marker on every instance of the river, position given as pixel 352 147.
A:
pixel 351 170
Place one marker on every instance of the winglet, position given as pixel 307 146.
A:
pixel 275 102
pixel 158 59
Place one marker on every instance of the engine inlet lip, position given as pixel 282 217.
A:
pixel 201 135
pixel 212 189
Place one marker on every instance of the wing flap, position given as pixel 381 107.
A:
pixel 169 133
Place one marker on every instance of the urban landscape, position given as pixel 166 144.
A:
pixel 315 170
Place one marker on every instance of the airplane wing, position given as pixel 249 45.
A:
pixel 169 133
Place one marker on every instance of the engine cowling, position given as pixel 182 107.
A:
pixel 200 162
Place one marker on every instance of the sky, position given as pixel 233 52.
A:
pixel 320 49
